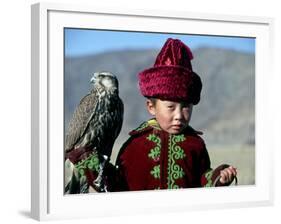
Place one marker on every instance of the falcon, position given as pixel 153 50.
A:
pixel 95 125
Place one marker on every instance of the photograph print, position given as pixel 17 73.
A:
pixel 157 111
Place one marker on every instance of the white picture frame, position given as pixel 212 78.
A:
pixel 47 193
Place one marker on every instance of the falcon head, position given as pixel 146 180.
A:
pixel 105 80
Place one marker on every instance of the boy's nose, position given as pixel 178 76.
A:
pixel 178 114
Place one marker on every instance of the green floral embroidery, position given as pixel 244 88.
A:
pixel 154 138
pixel 178 138
pixel 155 155
pixel 142 126
pixel 175 152
pixel 208 176
pixel 155 172
pixel 92 162
pixel 154 152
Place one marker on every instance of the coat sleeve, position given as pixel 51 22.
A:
pixel 81 169
pixel 205 167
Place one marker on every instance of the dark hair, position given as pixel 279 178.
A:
pixel 152 99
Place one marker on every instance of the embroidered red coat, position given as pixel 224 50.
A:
pixel 155 159
pixel 150 159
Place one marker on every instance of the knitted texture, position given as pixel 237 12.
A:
pixel 171 77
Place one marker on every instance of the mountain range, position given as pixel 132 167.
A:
pixel 225 114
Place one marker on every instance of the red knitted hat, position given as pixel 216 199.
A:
pixel 171 77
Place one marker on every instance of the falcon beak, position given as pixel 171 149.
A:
pixel 93 79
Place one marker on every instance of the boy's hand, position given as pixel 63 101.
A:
pixel 227 175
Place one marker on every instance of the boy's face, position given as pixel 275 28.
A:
pixel 173 117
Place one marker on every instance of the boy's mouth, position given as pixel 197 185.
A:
pixel 177 126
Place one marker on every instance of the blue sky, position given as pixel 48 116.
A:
pixel 79 42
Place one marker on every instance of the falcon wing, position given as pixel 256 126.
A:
pixel 81 117
pixel 120 117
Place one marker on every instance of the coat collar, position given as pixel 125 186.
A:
pixel 152 124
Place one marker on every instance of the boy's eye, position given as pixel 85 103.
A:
pixel 186 106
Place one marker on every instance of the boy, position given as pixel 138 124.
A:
pixel 165 152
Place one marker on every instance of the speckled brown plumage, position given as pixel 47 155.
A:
pixel 98 118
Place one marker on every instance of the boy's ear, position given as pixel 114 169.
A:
pixel 150 107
